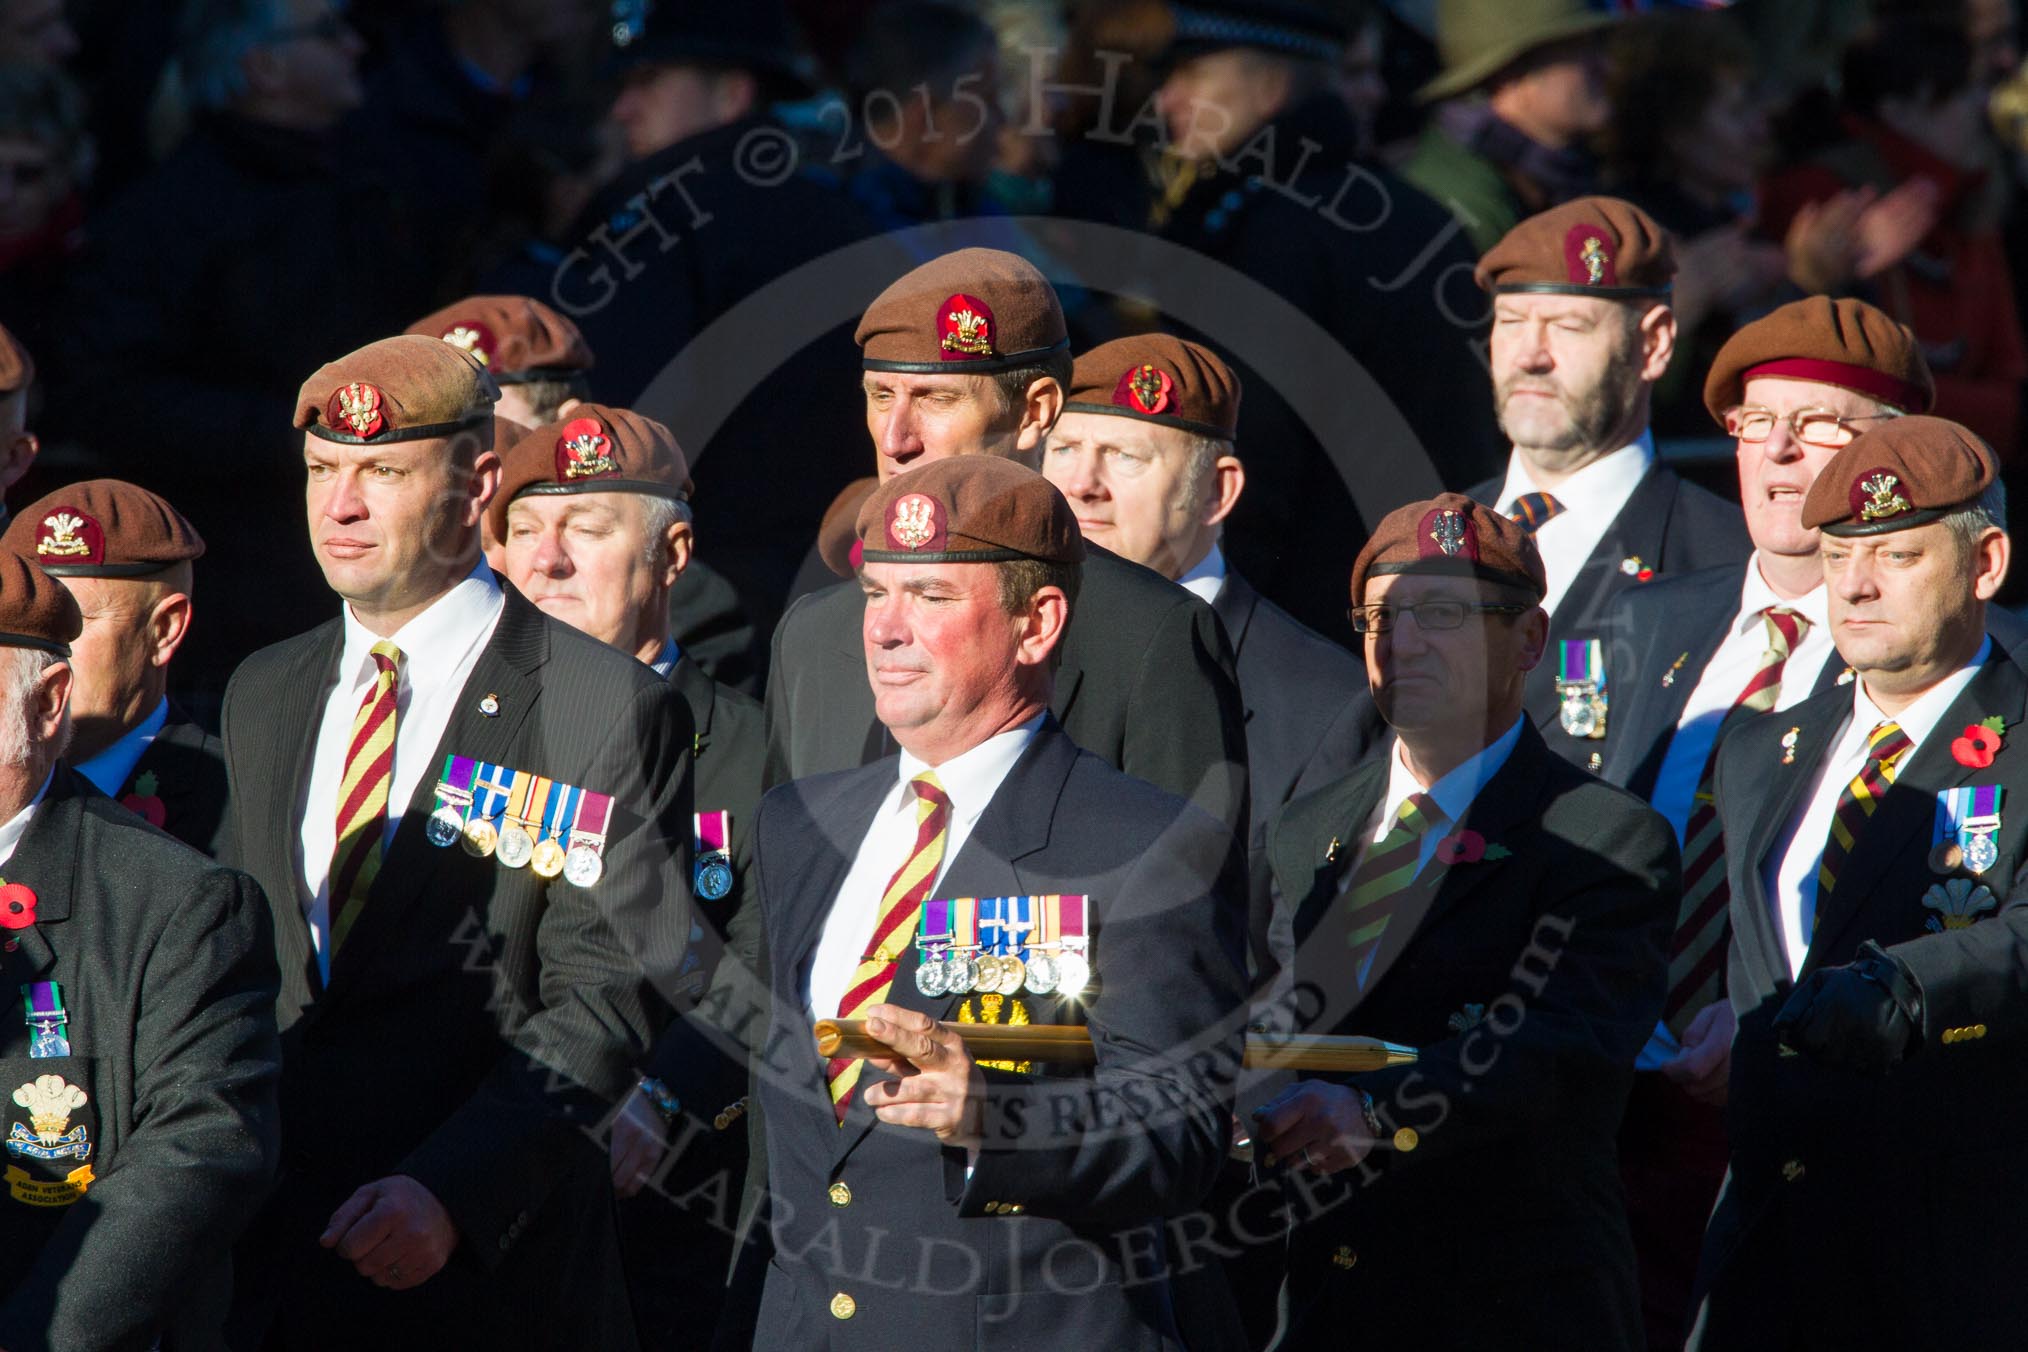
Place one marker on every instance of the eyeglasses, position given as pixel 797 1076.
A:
pixel 1811 426
pixel 1437 614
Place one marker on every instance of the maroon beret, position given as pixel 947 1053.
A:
pixel 1903 473
pixel 975 311
pixel 1451 535
pixel 1594 246
pixel 36 611
pixel 595 449
pixel 516 338
pixel 399 389
pixel 1158 379
pixel 969 509
pixel 103 528
pixel 1846 343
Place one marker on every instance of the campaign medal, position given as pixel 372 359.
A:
pixel 1581 687
pixel 932 938
pixel 1970 816
pixel 585 863
pixel 517 846
pixel 547 861
pixel 1043 972
pixel 711 877
pixel 47 1019
pixel 961 971
pixel 1020 923
pixel 490 791
pixel 454 795
pixel 1074 967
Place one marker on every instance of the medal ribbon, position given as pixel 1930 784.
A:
pixel 1960 810
pixel 1048 923
pixel 455 788
pixel 936 925
pixel 43 1002
pixel 1070 915
pixel 712 828
pixel 965 922
pixel 1581 661
pixel 1022 924
pixel 993 918
pixel 561 809
pixel 490 790
pixel 588 823
pixel 522 804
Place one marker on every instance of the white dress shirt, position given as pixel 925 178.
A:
pixel 1207 579
pixel 1790 873
pixel 1591 498
pixel 115 765
pixel 969 781
pixel 16 826
pixel 439 649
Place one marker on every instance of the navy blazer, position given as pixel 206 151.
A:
pixel 1090 1159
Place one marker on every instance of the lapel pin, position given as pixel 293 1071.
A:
pixel 1789 740
pixel 1331 851
pixel 1846 676
pixel 1669 676
pixel 1632 566
pixel 490 705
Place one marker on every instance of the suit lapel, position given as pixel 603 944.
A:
pixel 295 712
pixel 1635 533
pixel 1345 826
pixel 1234 608
pixel 1818 723
pixel 45 861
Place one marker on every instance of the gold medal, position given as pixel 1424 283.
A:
pixel 1013 972
pixel 547 861
pixel 480 838
pixel 1946 857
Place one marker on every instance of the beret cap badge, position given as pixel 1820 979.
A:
pixel 469 335
pixel 1876 497
pixel 66 534
pixel 964 328
pixel 1145 389
pixel 357 406
pixel 1452 535
pixel 584 450
pixel 914 521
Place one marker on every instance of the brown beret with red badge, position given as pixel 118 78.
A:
pixel 1594 246
pixel 36 611
pixel 516 338
pixel 838 534
pixel 103 528
pixel 409 388
pixel 1905 472
pixel 969 509
pixel 1159 379
pixel 17 368
pixel 1451 535
pixel 1846 343
pixel 975 311
pixel 595 450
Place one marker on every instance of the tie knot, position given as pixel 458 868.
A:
pixel 1785 626
pixel 1418 813
pixel 386 657
pixel 1531 510
pixel 1886 743
pixel 930 789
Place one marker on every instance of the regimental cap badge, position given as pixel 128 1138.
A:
pixel 67 535
pixel 1448 533
pixel 471 336
pixel 1588 256
pixel 356 408
pixel 50 1101
pixel 584 451
pixel 1876 496
pixel 965 328
pixel 1145 388
pixel 915 521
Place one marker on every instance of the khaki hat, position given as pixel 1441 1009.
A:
pixel 595 450
pixel 1158 379
pixel 1593 246
pixel 1846 343
pixel 36 611
pixel 969 509
pixel 1478 39
pixel 515 338
pixel 1904 473
pixel 398 389
pixel 1451 535
pixel 975 311
pixel 103 528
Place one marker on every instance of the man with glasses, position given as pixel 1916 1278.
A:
pixel 1692 657
pixel 1582 331
pixel 1474 896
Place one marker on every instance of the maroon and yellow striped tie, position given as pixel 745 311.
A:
pixel 1885 746
pixel 894 929
pixel 1697 953
pixel 1386 871
pixel 1534 510
pixel 362 794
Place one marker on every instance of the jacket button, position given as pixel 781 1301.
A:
pixel 1792 1170
pixel 1407 1139
pixel 843 1306
pixel 1978 1030
pixel 506 1242
pixel 1345 1257
pixel 1012 1209
pixel 840 1195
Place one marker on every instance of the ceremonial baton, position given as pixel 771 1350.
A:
pixel 1070 1044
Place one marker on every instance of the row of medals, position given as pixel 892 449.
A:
pixel 515 848
pixel 943 973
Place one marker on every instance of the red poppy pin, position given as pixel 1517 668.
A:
pixel 17 906
pixel 1981 742
pixel 144 803
pixel 1467 846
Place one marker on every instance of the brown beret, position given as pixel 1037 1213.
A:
pixel 969 509
pixel 975 311
pixel 17 368
pixel 1594 246
pixel 594 450
pixel 1846 343
pixel 103 528
pixel 1451 535
pixel 36 611
pixel 398 389
pixel 515 338
pixel 838 535
pixel 1906 472
pixel 1158 379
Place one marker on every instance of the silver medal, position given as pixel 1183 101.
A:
pixel 1981 853
pixel 1043 974
pixel 961 974
pixel 446 825
pixel 932 976
pixel 1073 975
pixel 582 866
pixel 516 847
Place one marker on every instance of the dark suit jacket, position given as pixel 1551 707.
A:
pixel 1844 1220
pixel 1146 685
pixel 1559 948
pixel 1672 526
pixel 187 765
pixel 1086 1160
pixel 509 1009
pixel 166 963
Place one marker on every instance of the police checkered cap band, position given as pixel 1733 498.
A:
pixel 1204 27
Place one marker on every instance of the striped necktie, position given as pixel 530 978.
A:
pixel 1697 953
pixel 362 794
pixel 1533 510
pixel 1382 876
pixel 894 930
pixel 1885 746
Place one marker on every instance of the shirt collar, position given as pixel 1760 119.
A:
pixel 665 661
pixel 115 765
pixel 1598 490
pixel 971 778
pixel 1207 579
pixel 16 826
pixel 1755 596
pixel 1454 791
pixel 433 641
pixel 1919 719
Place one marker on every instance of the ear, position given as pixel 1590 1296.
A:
pixel 1990 557
pixel 48 700
pixel 1041 408
pixel 19 455
pixel 168 626
pixel 1229 481
pixel 1658 342
pixel 735 95
pixel 680 541
pixel 1043 626
pixel 1534 639
pixel 481 484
